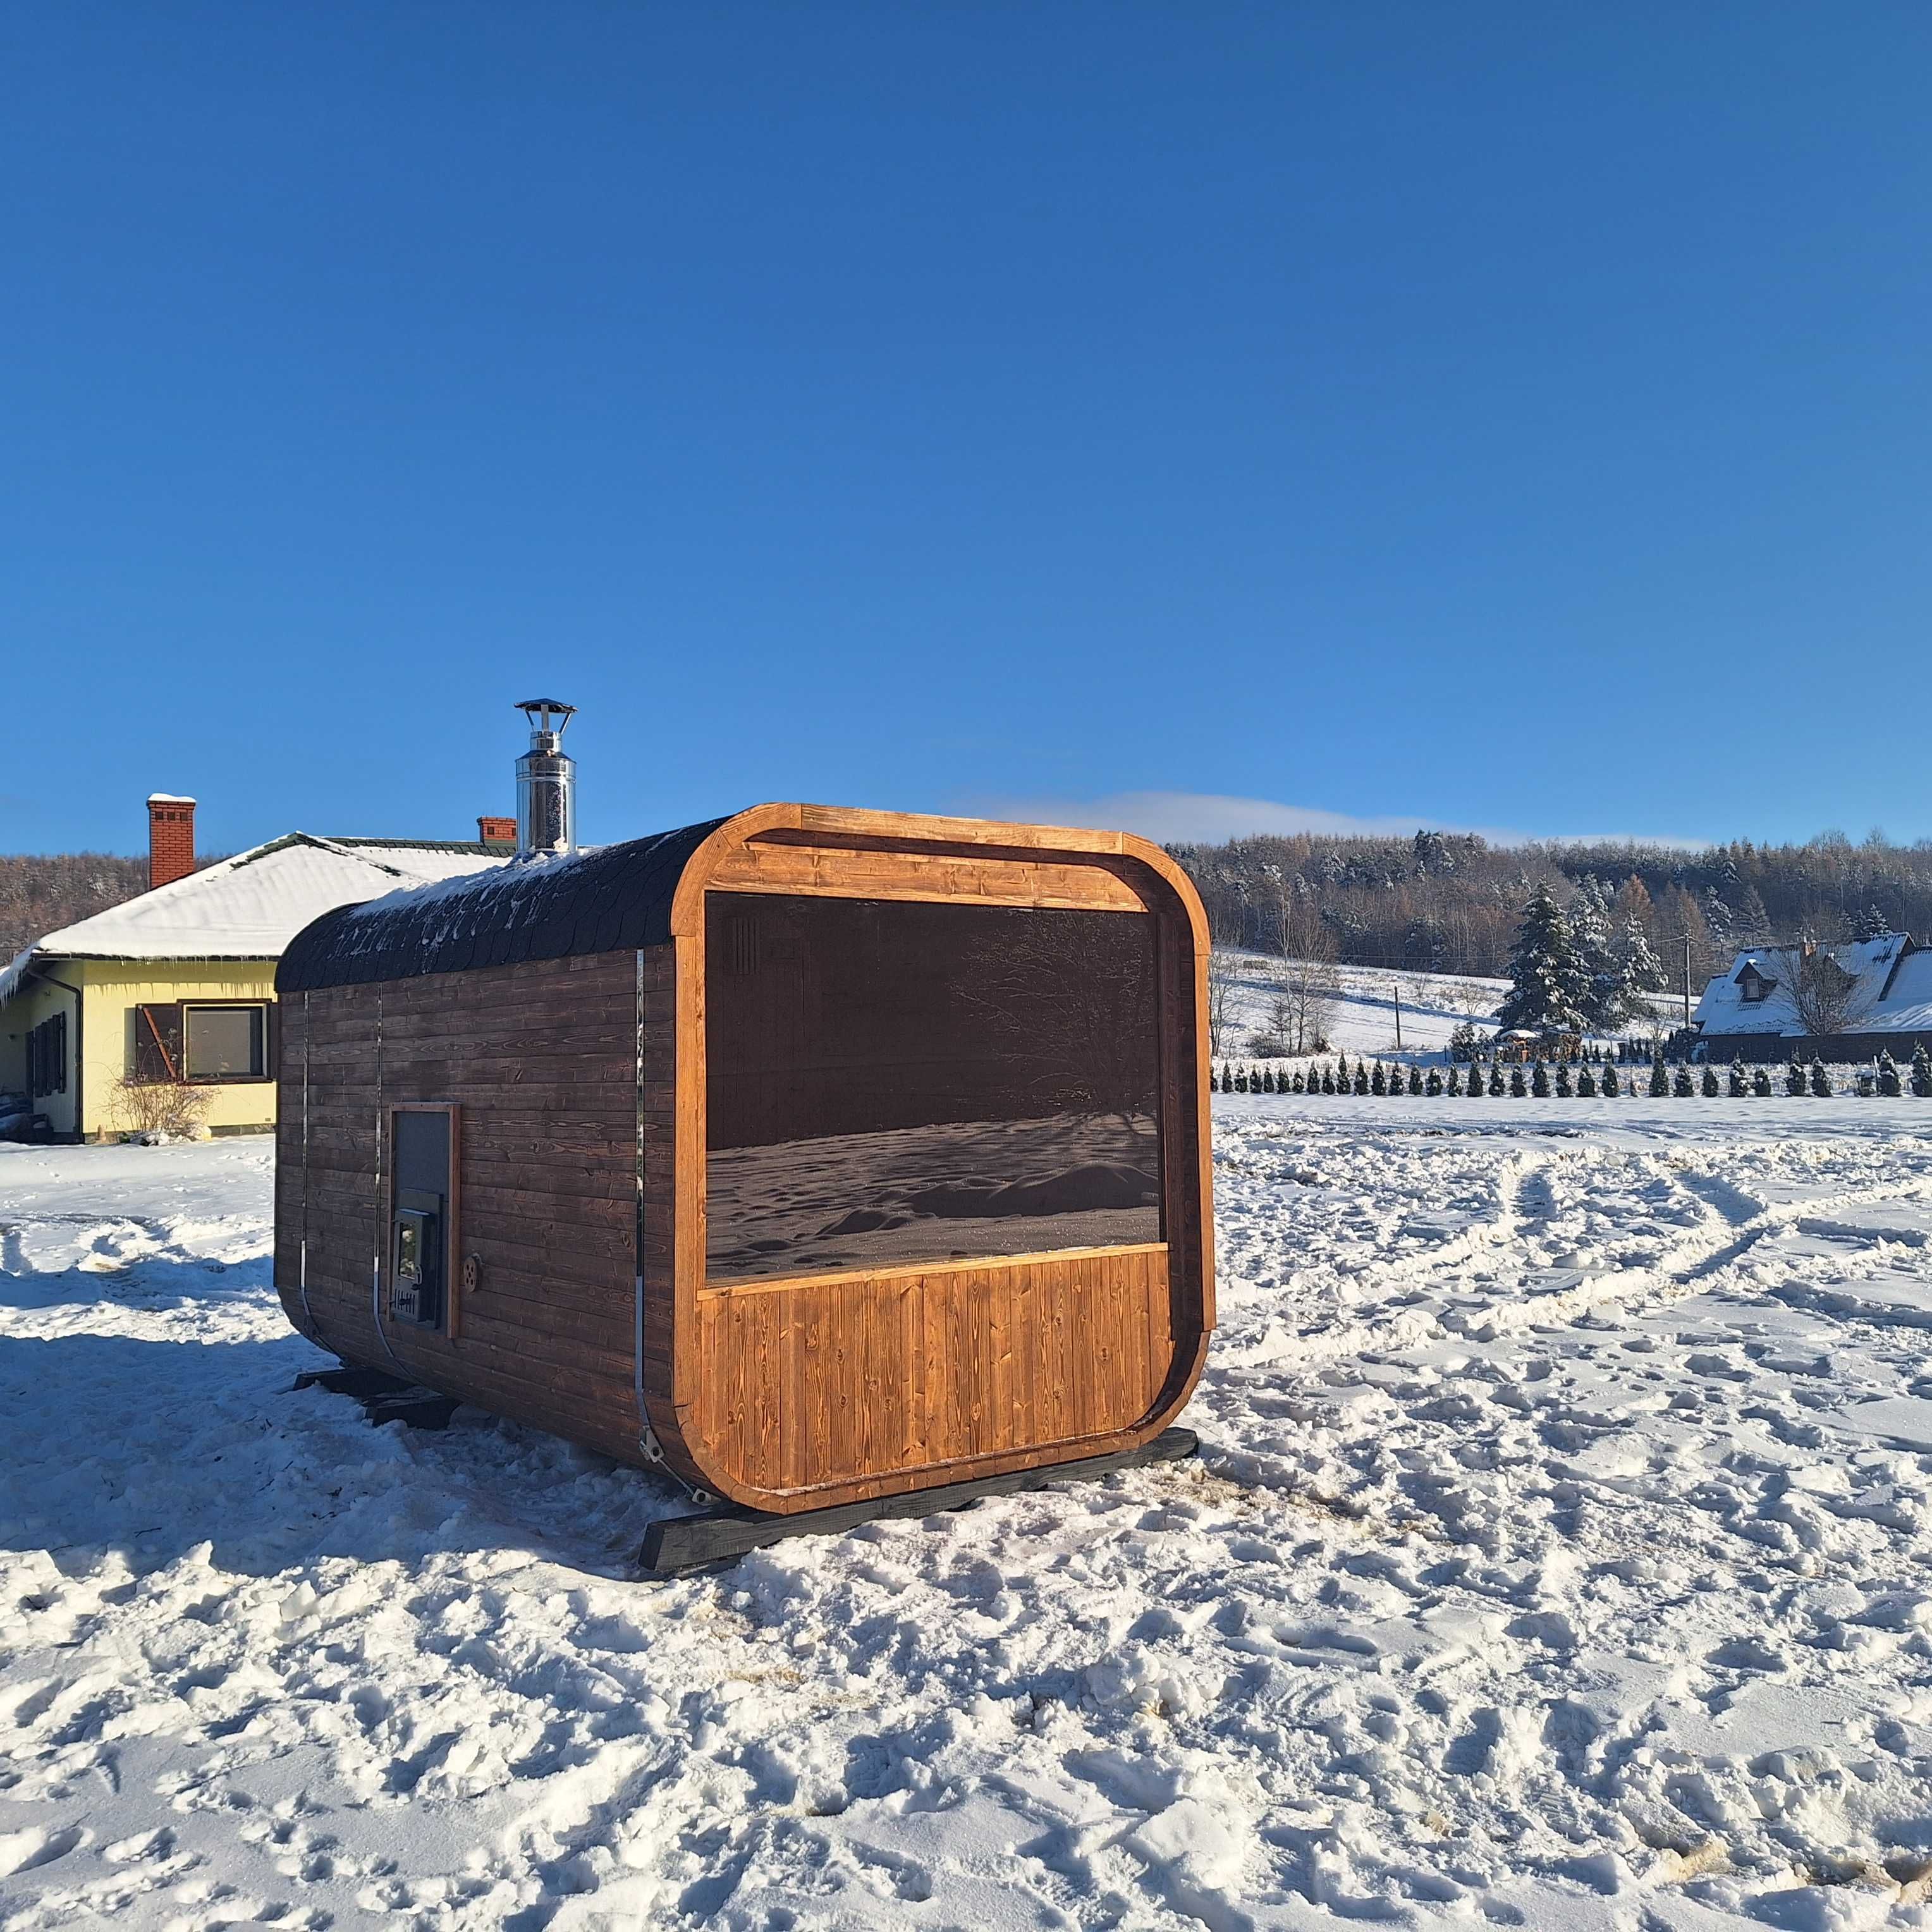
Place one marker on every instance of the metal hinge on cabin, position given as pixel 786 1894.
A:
pixel 654 1454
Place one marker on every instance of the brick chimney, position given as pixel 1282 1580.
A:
pixel 170 839
pixel 497 831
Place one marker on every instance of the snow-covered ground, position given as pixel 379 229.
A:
pixel 1432 1005
pixel 1557 1556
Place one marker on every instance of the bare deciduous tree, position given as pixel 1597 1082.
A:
pixel 1223 977
pixel 1304 1008
pixel 1826 998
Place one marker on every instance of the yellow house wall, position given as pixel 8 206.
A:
pixel 112 990
pixel 115 989
pixel 35 1002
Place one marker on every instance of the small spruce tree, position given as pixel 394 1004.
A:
pixel 1564 1089
pixel 1327 1080
pixel 1659 1081
pixel 1539 1082
pixel 1611 1087
pixel 1378 1081
pixel 1455 1082
pixel 1496 1088
pixel 1888 1076
pixel 1586 1083
pixel 1361 1076
pixel 1433 1086
pixel 1794 1078
pixel 1517 1090
pixel 1709 1086
pixel 1922 1071
pixel 1761 1083
pixel 1682 1087
pixel 1821 1080
pixel 1738 1086
pixel 1300 1083
pixel 1415 1085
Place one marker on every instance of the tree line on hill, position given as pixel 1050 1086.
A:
pixel 40 893
pixel 1451 902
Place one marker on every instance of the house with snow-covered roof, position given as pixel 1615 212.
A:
pixel 1751 1012
pixel 176 985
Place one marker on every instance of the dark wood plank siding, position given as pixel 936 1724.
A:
pixel 542 1057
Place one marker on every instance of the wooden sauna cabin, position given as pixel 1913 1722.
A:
pixel 820 1155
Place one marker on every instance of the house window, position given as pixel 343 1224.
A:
pixel 225 1043
pixel 46 1057
pixel 1752 986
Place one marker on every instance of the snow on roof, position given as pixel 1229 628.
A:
pixel 169 798
pixel 1878 1005
pixel 251 906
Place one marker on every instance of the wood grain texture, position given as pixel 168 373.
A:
pixel 873 1384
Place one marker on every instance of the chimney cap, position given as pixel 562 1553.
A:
pixel 168 798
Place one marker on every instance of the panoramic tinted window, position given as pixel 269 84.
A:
pixel 892 1083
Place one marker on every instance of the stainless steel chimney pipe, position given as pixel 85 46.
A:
pixel 546 782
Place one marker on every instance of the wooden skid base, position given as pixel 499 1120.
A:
pixel 679 1543
pixel 385 1398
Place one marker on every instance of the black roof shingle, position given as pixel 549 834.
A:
pixel 607 899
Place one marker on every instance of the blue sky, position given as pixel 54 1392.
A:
pixel 1506 417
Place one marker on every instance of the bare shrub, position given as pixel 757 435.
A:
pixel 159 1107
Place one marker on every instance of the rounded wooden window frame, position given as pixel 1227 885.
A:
pixel 1140 870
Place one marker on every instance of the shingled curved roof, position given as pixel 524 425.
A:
pixel 606 899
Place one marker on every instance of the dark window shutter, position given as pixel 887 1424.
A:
pixel 46 1057
pixel 157 1042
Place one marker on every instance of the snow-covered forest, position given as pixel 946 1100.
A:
pixel 1449 902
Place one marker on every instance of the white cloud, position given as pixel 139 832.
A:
pixel 1209 818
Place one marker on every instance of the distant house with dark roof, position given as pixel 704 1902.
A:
pixel 177 984
pixel 1747 1012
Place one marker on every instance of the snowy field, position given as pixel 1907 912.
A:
pixel 1433 1005
pixel 1558 1556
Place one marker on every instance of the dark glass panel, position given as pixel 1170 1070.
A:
pixel 892 1083
pixel 225 1042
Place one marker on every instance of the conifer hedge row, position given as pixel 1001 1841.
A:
pixel 1584 1082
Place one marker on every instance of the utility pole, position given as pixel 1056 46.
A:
pixel 1687 978
pixel 1398 1016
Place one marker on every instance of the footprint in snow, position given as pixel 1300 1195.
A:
pixel 26 1851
